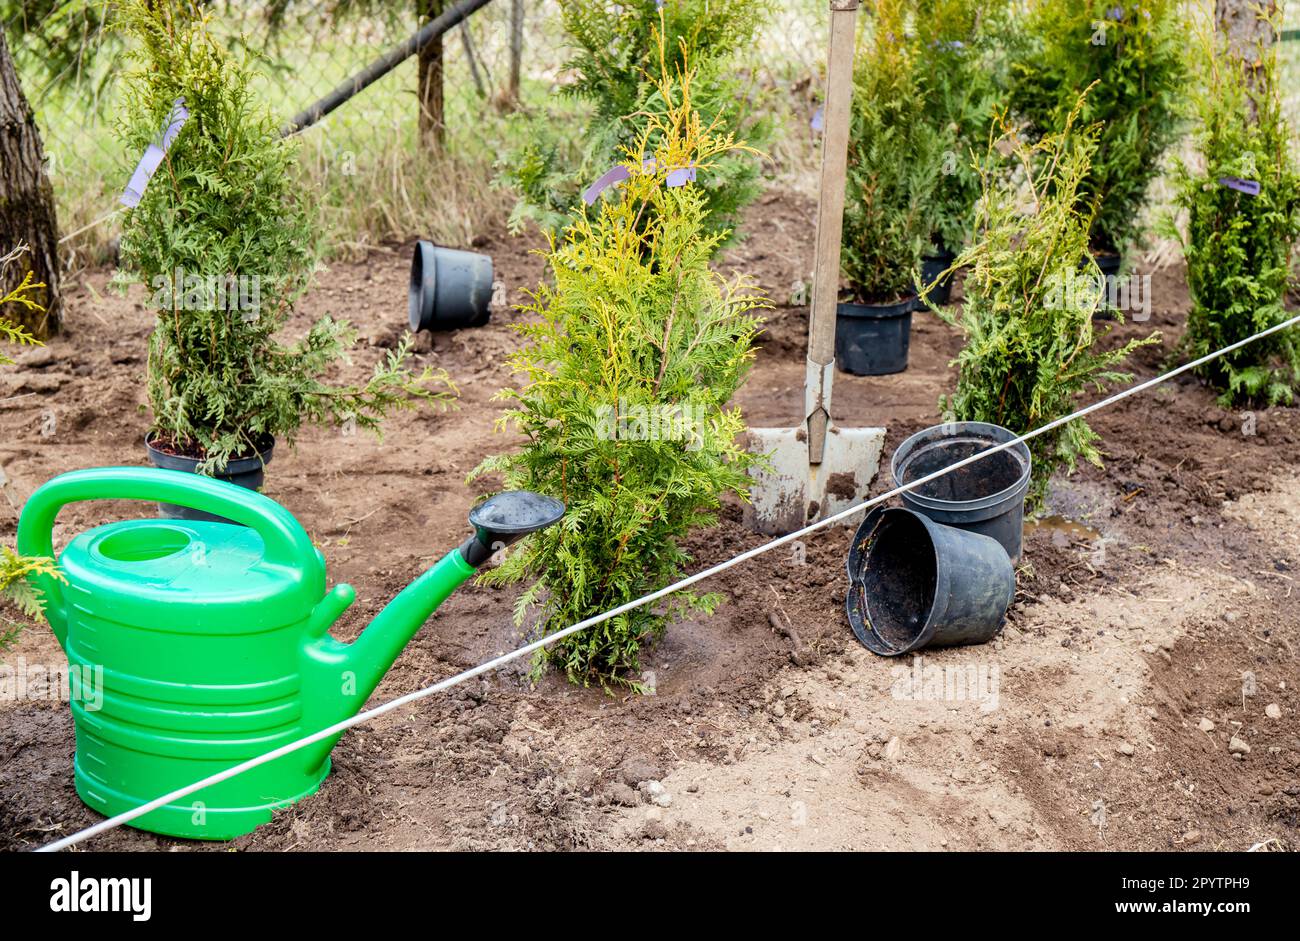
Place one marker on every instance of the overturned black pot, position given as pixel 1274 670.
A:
pixel 932 265
pixel 450 288
pixel 873 339
pixel 247 472
pixel 915 583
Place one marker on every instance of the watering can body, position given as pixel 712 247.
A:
pixel 194 646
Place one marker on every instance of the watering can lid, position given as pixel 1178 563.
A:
pixel 215 573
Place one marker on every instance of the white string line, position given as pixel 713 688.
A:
pixel 89 225
pixel 345 724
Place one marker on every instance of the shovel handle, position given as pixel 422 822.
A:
pixel 286 542
pixel 830 220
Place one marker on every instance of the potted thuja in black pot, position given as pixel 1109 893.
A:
pixel 961 63
pixel 1132 62
pixel 221 242
pixel 893 162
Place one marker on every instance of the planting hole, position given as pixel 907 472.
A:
pixel 144 544
pixel 899 580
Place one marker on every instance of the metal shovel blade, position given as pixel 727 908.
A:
pixel 790 492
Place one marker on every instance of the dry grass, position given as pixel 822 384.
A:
pixel 397 189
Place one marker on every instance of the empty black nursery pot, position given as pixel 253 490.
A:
pixel 450 288
pixel 986 497
pixel 915 583
pixel 873 339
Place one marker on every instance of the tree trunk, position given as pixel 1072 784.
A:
pixel 27 212
pixel 516 49
pixel 1249 27
pixel 467 39
pixel 433 128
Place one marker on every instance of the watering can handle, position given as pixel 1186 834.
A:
pixel 287 543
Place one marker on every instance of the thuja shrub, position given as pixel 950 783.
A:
pixel 221 240
pixel 22 296
pixel 894 161
pixel 1131 58
pixel 15 570
pixel 631 360
pixel 963 52
pixel 620 53
pixel 1242 204
pixel 1031 290
pixel 16 590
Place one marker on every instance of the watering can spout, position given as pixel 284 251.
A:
pixel 354 670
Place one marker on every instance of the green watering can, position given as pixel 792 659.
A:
pixel 211 644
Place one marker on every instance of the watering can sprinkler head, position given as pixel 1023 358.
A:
pixel 504 519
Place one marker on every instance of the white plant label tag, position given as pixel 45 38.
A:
pixel 153 155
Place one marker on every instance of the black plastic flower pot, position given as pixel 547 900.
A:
pixel 915 583
pixel 1109 264
pixel 247 472
pixel 933 265
pixel 450 288
pixel 986 497
pixel 872 339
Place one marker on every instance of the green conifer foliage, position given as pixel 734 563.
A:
pixel 1131 58
pixel 1032 288
pixel 620 51
pixel 632 358
pixel 894 163
pixel 1239 245
pixel 220 239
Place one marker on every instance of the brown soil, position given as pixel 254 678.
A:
pixel 1167 578
pixel 192 450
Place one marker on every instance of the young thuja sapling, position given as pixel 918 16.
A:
pixel 220 237
pixel 963 52
pixel 1131 58
pixel 1242 209
pixel 618 54
pixel 635 326
pixel 1028 357
pixel 894 163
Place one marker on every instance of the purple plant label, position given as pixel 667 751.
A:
pixel 175 121
pixel 1249 187
pixel 615 175
pixel 153 155
pixel 680 177
pixel 609 178
pixel 819 120
pixel 144 172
